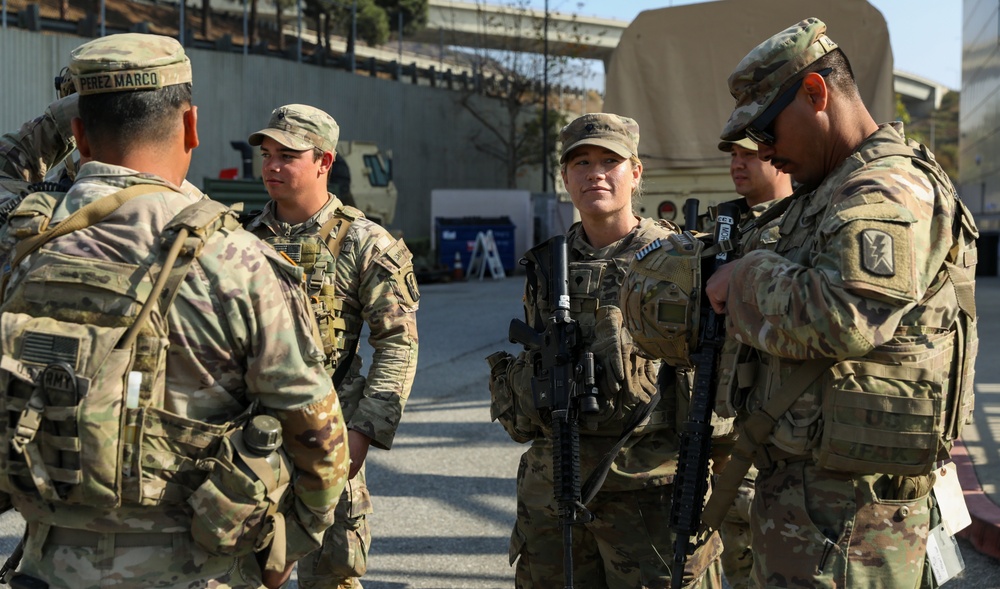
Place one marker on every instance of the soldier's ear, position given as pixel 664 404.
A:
pixel 816 90
pixel 82 145
pixel 326 162
pixel 191 128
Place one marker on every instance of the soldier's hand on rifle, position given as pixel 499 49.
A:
pixel 608 349
pixel 717 287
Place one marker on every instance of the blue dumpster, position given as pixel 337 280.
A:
pixel 458 234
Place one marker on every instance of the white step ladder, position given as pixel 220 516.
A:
pixel 484 255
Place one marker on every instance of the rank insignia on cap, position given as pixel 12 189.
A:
pixel 876 252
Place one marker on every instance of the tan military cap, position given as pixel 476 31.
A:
pixel 301 127
pixel 759 77
pixel 617 133
pixel 128 62
pixel 745 143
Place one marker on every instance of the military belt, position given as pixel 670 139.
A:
pixel 88 539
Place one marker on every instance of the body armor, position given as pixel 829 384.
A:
pixel 317 255
pixel 898 409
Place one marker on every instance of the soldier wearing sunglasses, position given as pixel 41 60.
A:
pixel 862 315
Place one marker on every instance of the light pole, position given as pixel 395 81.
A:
pixel 246 29
pixel 298 41
pixel 354 35
pixel 545 101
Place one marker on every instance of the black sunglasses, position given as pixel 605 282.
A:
pixel 761 130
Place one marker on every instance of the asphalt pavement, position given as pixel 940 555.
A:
pixel 444 496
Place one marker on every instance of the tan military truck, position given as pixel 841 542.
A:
pixel 670 71
pixel 361 177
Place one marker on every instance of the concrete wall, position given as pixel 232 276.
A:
pixel 426 129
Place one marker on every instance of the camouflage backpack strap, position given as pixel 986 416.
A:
pixel 187 233
pixel 961 268
pixel 754 432
pixel 335 229
pixel 83 218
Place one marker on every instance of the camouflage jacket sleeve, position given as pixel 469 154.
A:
pixel 881 236
pixel 388 298
pixel 40 143
pixel 273 325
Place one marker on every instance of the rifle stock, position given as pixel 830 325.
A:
pixel 694 453
pixel 555 384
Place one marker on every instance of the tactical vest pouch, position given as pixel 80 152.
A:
pixel 886 413
pixel 32 216
pixel 599 327
pixel 171 455
pixel 234 508
pixel 63 434
pixel 328 311
pixel 738 369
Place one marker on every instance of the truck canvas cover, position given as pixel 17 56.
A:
pixel 670 69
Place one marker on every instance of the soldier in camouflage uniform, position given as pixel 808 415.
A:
pixel 760 185
pixel 28 155
pixel 39 145
pixel 240 334
pixel 356 273
pixel 862 312
pixel 629 543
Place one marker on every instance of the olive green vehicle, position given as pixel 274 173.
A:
pixel 664 75
pixel 361 177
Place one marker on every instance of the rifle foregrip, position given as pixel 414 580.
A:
pixel 566 475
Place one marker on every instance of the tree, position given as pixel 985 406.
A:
pixel 206 19
pixel 374 19
pixel 515 137
pixel 252 24
pixel 279 17
pixel 372 22
pixel 414 14
pixel 319 12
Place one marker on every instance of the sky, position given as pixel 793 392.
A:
pixel 926 35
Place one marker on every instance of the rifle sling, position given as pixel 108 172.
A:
pixel 753 433
pixel 596 478
pixel 344 364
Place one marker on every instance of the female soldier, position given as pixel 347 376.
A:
pixel 628 543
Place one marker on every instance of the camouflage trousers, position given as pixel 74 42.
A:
pixel 737 555
pixel 179 564
pixel 628 545
pixel 343 557
pixel 819 528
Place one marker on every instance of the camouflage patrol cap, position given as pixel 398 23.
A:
pixel 128 62
pixel 759 77
pixel 745 143
pixel 301 127
pixel 617 133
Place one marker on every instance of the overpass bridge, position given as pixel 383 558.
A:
pixel 492 26
pixel 495 26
